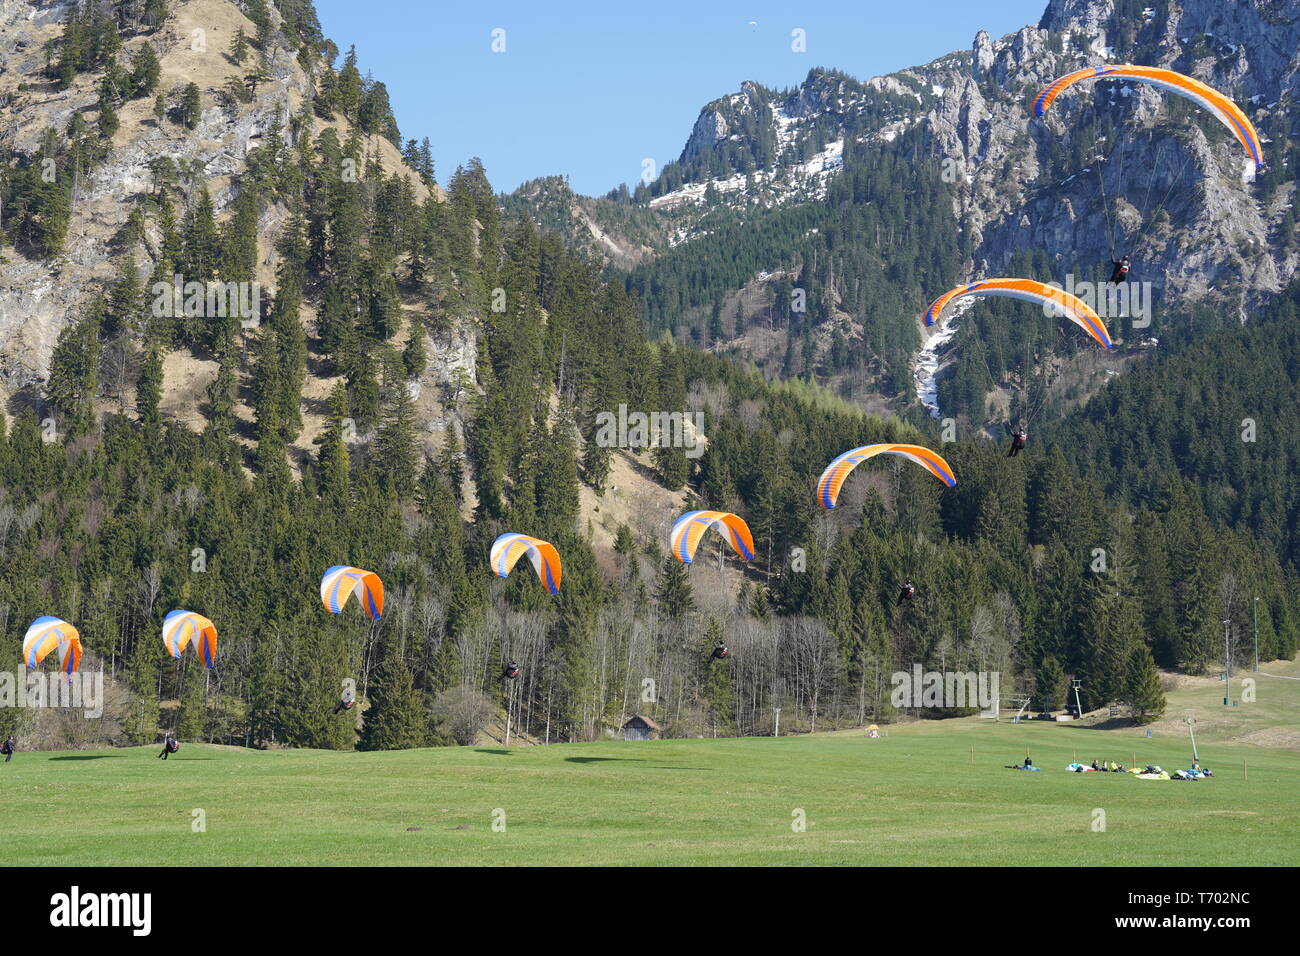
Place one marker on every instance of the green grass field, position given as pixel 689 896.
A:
pixel 912 797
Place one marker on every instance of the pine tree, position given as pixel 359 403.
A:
pixel 108 121
pixel 305 711
pixel 125 308
pixel 673 590
pixel 237 253
pixel 397 445
pixel 557 492
pixel 716 687
pixel 1142 692
pixel 596 460
pixel 147 659
pixel 570 637
pixel 1112 626
pixel 270 459
pixel 191 106
pixel 145 71
pixel 333 461
pixel 290 343
pixel 222 394
pixel 451 462
pixel 74 370
pixel 148 391
pixel 192 716
pixel 1050 685
pixel 414 357
pixel 396 718
pixel 239 48
pixel 334 323
pixel 349 85
pixel 363 388
pixel 201 249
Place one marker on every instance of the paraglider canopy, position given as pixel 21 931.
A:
pixel 1063 303
pixel 341 582
pixel 1207 97
pixel 180 627
pixel 510 547
pixel 50 633
pixel 832 479
pixel 691 527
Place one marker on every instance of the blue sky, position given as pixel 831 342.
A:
pixel 589 89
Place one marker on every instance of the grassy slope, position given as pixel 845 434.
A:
pixel 913 797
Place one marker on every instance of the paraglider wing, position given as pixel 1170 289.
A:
pixel 690 528
pixel 832 479
pixel 1207 97
pixel 50 633
pixel 181 627
pixel 1058 300
pixel 341 582
pixel 510 547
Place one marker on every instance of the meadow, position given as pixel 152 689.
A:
pixel 925 793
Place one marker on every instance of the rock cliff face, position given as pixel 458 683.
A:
pixel 38 298
pixel 1112 165
pixel 1168 188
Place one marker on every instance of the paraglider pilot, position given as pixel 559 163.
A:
pixel 170 746
pixel 510 671
pixel 720 651
pixel 7 748
pixel 346 702
pixel 1018 439
pixel 1121 270
pixel 906 592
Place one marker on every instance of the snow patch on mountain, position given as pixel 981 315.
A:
pixel 804 182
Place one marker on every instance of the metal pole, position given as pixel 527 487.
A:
pixel 1256 609
pixel 1227 657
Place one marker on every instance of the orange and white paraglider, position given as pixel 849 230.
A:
pixel 832 479
pixel 1207 97
pixel 181 628
pixel 692 526
pixel 341 582
pixel 48 634
pixel 1050 297
pixel 510 547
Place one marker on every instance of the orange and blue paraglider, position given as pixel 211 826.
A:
pixel 832 479
pixel 510 547
pixel 690 528
pixel 182 627
pixel 1058 300
pixel 1207 97
pixel 47 634
pixel 341 582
